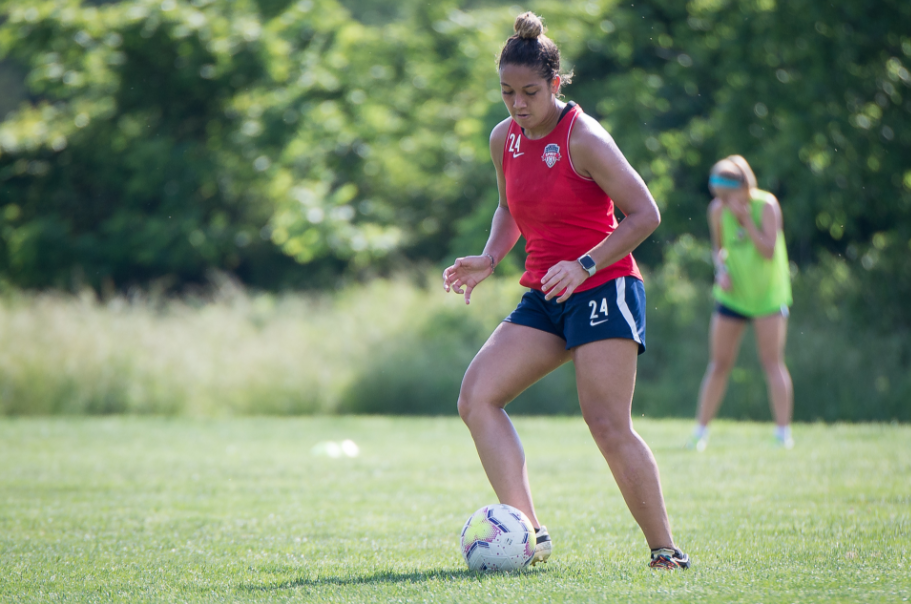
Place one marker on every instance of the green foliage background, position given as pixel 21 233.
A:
pixel 314 143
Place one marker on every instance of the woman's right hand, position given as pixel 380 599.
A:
pixel 740 208
pixel 723 279
pixel 466 273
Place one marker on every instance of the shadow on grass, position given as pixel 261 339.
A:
pixel 388 578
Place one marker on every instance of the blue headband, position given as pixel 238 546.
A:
pixel 727 183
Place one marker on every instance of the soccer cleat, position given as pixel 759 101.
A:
pixel 696 443
pixel 669 558
pixel 543 546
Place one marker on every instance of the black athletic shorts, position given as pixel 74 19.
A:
pixel 725 311
pixel 613 310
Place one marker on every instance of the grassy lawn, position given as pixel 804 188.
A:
pixel 241 510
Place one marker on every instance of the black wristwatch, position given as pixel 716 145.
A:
pixel 588 264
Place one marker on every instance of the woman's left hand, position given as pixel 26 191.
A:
pixel 563 277
pixel 723 279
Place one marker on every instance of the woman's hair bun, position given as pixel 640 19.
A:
pixel 529 46
pixel 529 26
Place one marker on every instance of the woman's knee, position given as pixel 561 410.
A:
pixel 473 403
pixel 720 366
pixel 465 407
pixel 607 430
pixel 470 395
pixel 466 404
pixel 773 365
pixel 771 358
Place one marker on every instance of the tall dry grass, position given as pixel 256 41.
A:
pixel 401 346
pixel 229 352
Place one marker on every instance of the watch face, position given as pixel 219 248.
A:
pixel 587 263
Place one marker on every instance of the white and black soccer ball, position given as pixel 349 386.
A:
pixel 498 538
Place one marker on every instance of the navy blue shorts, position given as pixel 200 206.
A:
pixel 613 310
pixel 725 311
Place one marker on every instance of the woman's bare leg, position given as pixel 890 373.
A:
pixel 606 378
pixel 724 342
pixel 514 358
pixel 771 335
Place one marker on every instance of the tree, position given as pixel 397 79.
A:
pixel 177 136
pixel 816 95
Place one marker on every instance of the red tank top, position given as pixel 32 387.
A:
pixel 561 214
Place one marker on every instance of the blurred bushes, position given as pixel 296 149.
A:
pixel 399 347
pixel 841 369
pixel 307 142
pixel 387 347
pixel 420 371
pixel 165 139
pixel 120 172
pixel 314 143
pixel 816 95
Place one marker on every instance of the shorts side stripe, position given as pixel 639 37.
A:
pixel 624 309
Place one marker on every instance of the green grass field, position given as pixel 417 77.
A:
pixel 241 510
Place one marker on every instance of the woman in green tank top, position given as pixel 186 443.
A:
pixel 752 284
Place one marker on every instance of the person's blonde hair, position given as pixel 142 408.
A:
pixel 734 167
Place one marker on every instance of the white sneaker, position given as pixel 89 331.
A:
pixel 785 443
pixel 696 443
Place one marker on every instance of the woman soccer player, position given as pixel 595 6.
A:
pixel 559 174
pixel 752 283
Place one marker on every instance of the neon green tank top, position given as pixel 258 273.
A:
pixel 759 285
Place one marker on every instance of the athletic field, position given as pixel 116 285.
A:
pixel 243 510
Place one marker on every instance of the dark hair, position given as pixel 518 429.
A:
pixel 529 46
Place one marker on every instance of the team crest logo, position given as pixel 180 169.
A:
pixel 551 155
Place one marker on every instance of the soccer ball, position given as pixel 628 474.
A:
pixel 498 537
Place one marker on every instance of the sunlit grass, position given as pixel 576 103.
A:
pixel 240 510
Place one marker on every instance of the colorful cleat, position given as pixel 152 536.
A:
pixel 669 558
pixel 543 546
